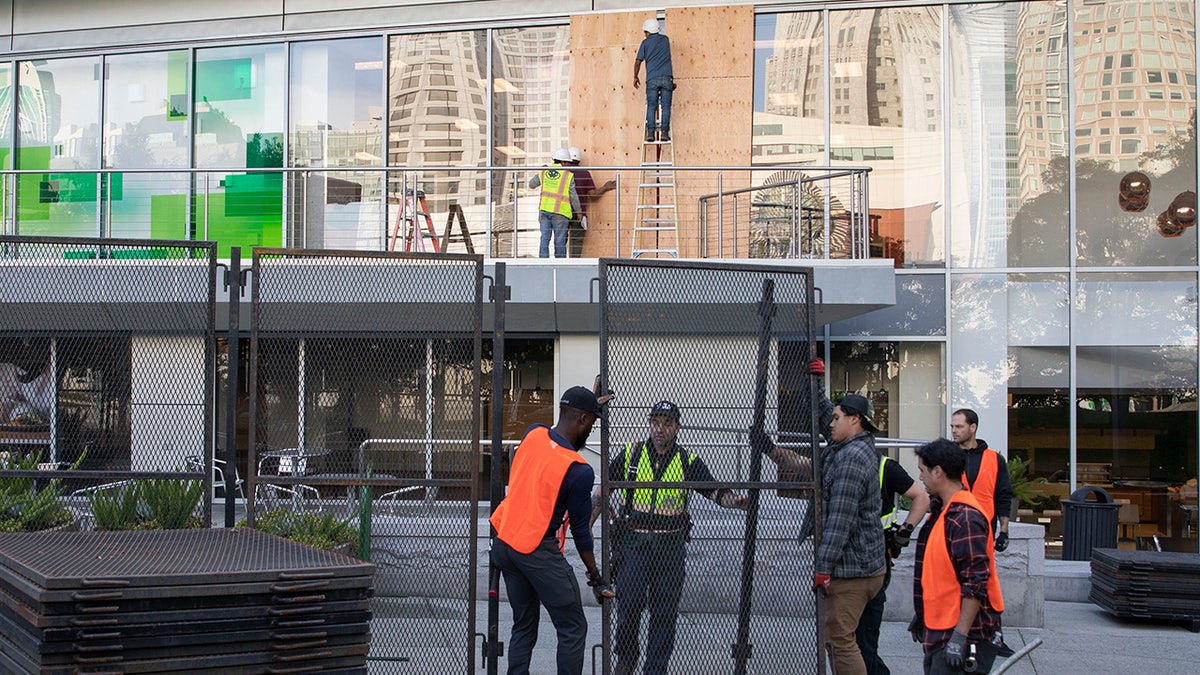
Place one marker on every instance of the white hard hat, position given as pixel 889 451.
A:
pixel 561 155
pixel 650 26
pixel 575 154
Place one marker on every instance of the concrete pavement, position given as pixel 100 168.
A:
pixel 1077 638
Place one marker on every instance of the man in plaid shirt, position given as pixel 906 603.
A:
pixel 956 591
pixel 849 562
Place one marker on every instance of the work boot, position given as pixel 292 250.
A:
pixel 649 135
pixel 665 136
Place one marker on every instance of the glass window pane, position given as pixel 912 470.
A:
pixel 891 64
pixel 58 127
pixel 425 72
pixel 6 97
pixel 336 120
pixel 239 104
pixel 789 89
pixel 919 310
pixel 903 379
pixel 1113 230
pixel 1136 309
pixel 146 110
pixel 146 99
pixel 1008 197
pixel 1037 311
pixel 530 67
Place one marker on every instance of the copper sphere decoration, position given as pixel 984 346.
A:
pixel 1134 193
pixel 1183 209
pixel 1167 227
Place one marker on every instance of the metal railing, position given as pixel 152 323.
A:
pixel 729 212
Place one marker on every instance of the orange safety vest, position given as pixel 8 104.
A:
pixel 556 192
pixel 984 488
pixel 941 592
pixel 539 465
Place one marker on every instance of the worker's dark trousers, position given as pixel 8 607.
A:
pixel 867 635
pixel 543 577
pixel 649 578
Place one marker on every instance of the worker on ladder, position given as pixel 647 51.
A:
pixel 559 202
pixel 655 50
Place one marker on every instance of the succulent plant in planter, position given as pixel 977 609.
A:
pixel 24 507
pixel 316 530
pixel 148 505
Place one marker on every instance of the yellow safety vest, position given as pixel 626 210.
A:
pixel 556 192
pixel 889 518
pixel 661 501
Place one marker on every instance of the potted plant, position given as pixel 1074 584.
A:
pixel 1025 489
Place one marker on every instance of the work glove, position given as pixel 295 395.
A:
pixel 816 367
pixel 916 629
pixel 902 535
pixel 956 650
pixel 821 581
pixel 1001 541
pixel 600 587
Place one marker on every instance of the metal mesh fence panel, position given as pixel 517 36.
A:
pixel 365 385
pixel 106 372
pixel 702 527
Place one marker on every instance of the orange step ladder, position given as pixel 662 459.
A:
pixel 413 210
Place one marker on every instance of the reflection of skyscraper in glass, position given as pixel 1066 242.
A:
pixel 794 78
pixel 981 110
pixel 885 67
pixel 1041 90
pixel 1135 81
pixel 39 105
pixel 438 113
pixel 531 68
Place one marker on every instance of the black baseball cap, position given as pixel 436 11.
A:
pixel 861 406
pixel 582 398
pixel 666 409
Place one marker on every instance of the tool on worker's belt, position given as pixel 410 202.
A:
pixel 971 662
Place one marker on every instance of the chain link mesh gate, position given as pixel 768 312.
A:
pixel 106 376
pixel 721 584
pixel 364 416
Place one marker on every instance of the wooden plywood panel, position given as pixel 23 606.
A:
pixel 712 51
pixel 606 115
pixel 712 112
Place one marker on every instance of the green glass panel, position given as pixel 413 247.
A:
pixel 167 217
pixel 225 79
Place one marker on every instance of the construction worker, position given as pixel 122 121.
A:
pixel 893 480
pixel 585 186
pixel 559 202
pixel 655 51
pixel 986 473
pixel 956 591
pixel 549 488
pixel 652 529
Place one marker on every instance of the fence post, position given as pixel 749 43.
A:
pixel 500 292
pixel 233 282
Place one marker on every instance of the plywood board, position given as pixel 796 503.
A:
pixel 713 58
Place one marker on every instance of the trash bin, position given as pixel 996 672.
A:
pixel 1088 524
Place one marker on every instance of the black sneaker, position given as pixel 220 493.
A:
pixel 665 136
pixel 649 136
pixel 1004 651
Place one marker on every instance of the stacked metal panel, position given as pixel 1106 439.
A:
pixel 195 601
pixel 1148 584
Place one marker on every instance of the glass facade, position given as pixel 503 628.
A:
pixel 1046 182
